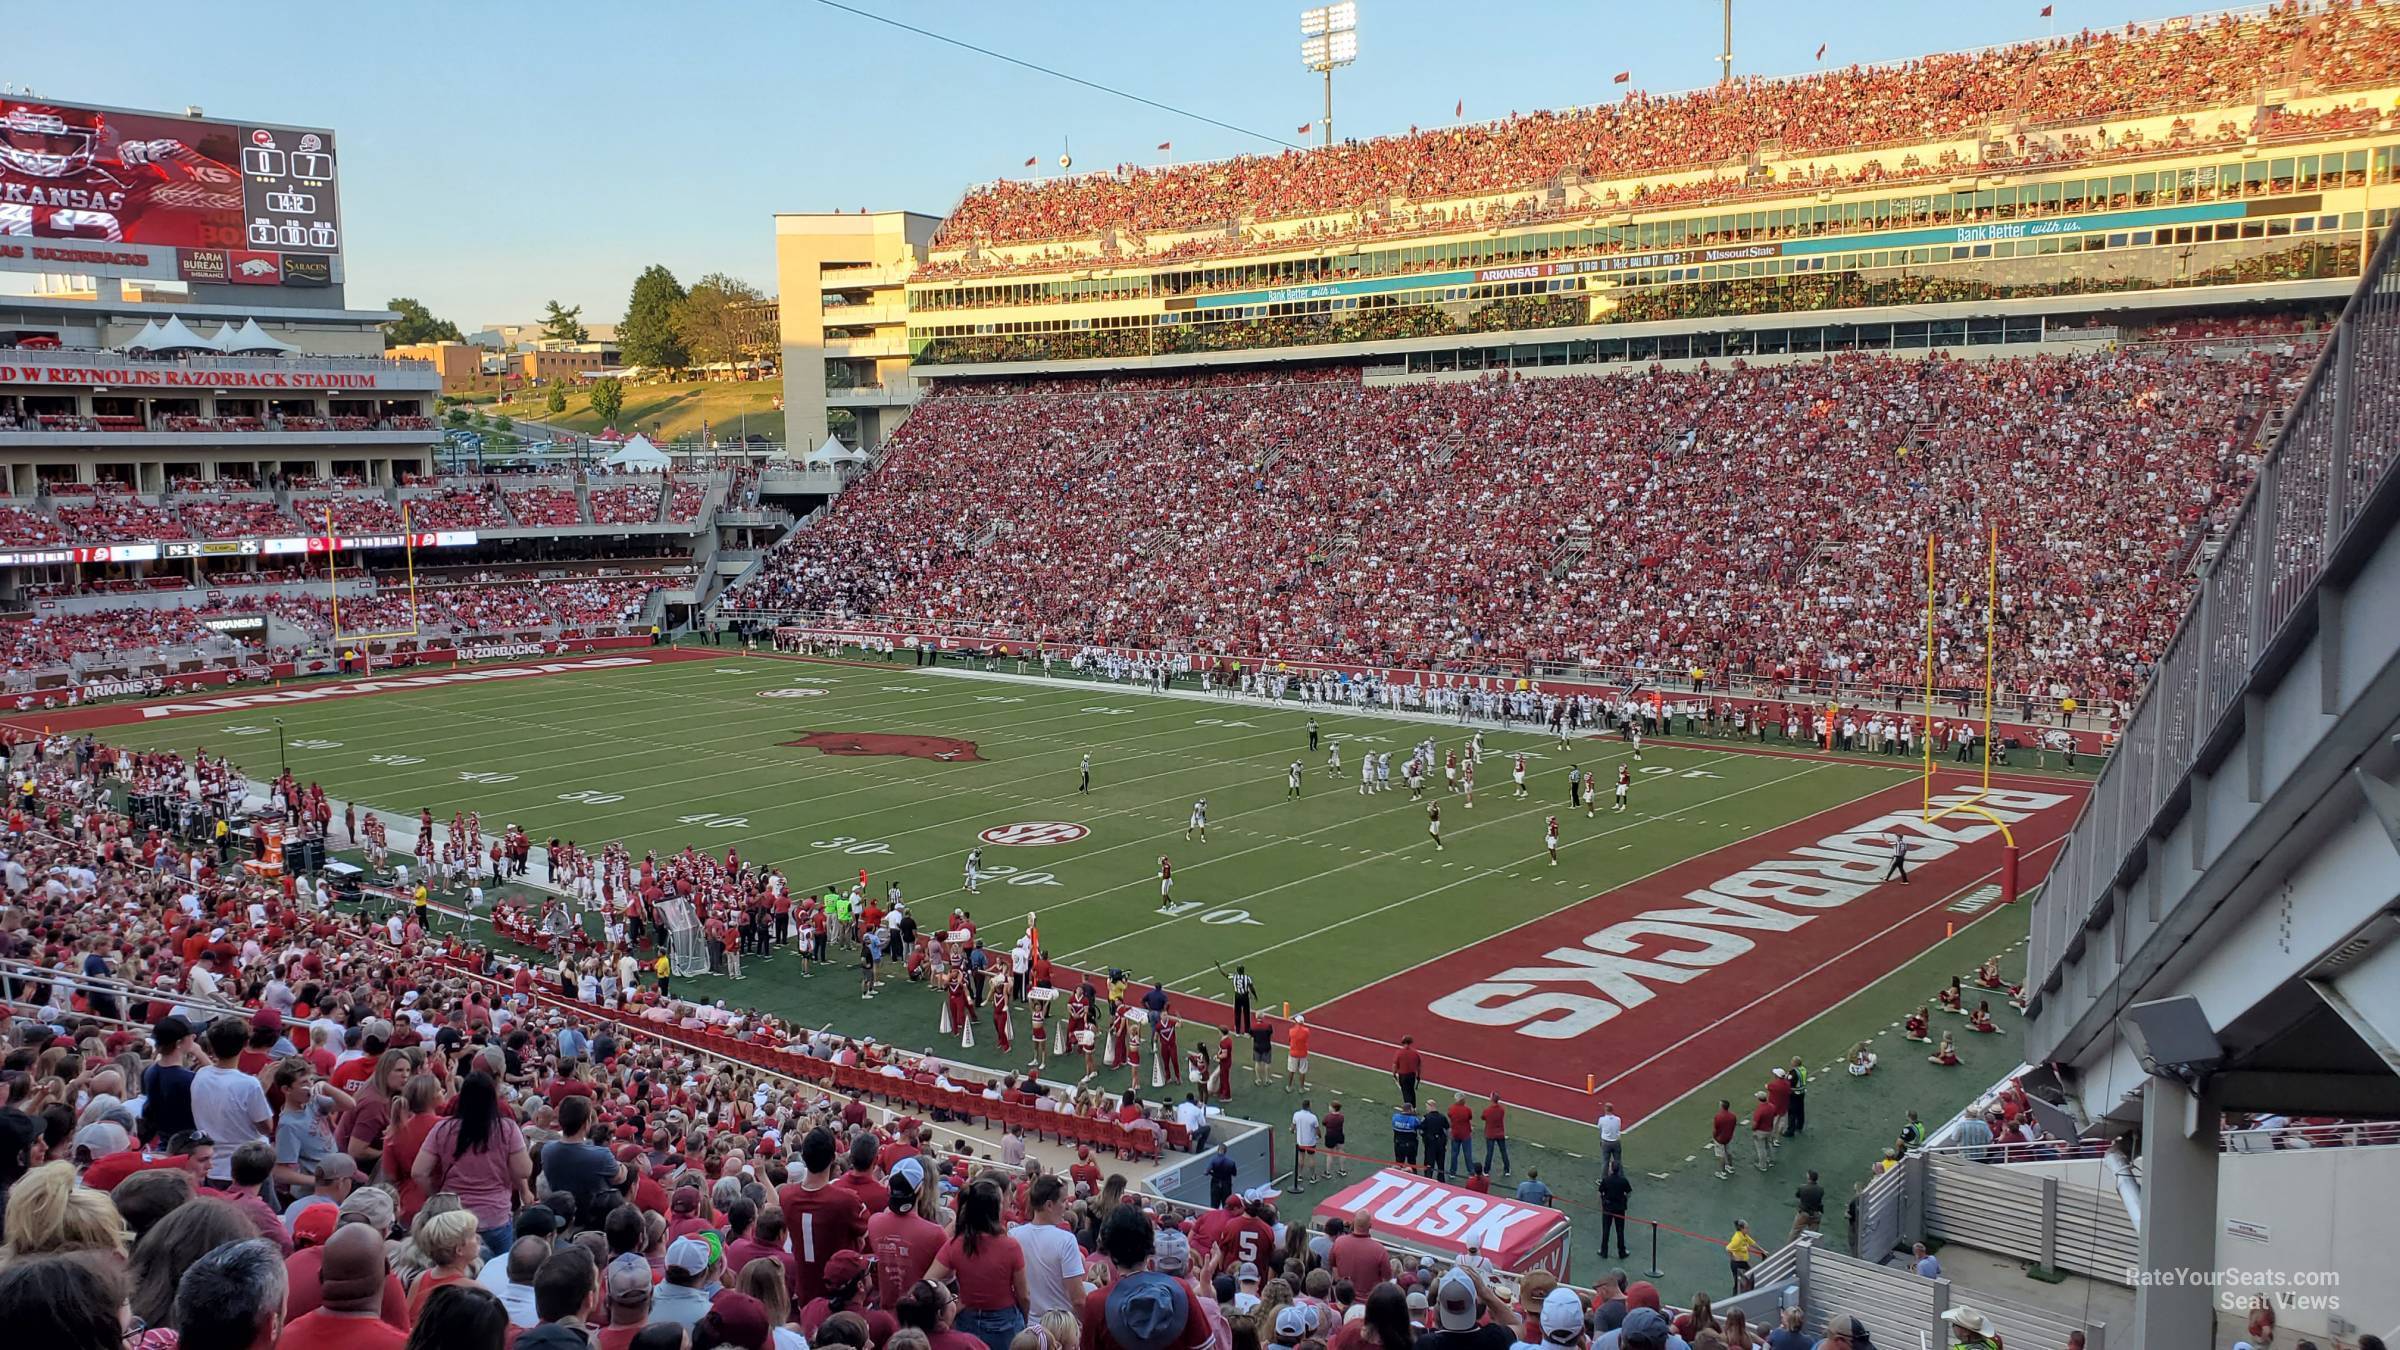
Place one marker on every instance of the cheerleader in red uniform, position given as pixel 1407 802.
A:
pixel 1000 1014
pixel 1981 1018
pixel 1920 1026
pixel 1946 1056
pixel 1169 1062
pixel 960 1017
pixel 1133 1055
pixel 1117 1037
pixel 1225 1068
pixel 1953 999
pixel 1197 1066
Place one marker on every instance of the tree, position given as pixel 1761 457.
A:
pixel 556 403
pixel 458 417
pixel 706 321
pixel 561 324
pixel 503 423
pixel 416 324
pixel 608 399
pixel 647 335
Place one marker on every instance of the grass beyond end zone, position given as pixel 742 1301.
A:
pixel 1318 896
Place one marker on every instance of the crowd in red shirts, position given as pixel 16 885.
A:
pixel 1748 520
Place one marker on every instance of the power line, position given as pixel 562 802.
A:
pixel 1058 74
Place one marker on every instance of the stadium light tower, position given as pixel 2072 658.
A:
pixel 1329 38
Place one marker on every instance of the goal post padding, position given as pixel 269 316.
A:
pixel 687 947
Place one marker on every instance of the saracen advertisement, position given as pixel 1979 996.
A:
pixel 111 192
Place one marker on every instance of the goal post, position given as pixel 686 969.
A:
pixel 333 588
pixel 1973 804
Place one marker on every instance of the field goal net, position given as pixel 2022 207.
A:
pixel 687 948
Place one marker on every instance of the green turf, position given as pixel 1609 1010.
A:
pixel 1317 896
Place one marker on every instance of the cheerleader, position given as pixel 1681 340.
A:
pixel 1196 1066
pixel 962 1010
pixel 1946 1056
pixel 1919 1026
pixel 1133 1061
pixel 1038 1009
pixel 1117 1037
pixel 1000 1015
pixel 1981 1018
pixel 1862 1060
pixel 1225 1068
pixel 1168 1061
pixel 1079 1016
pixel 1953 999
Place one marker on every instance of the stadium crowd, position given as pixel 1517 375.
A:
pixel 235 1117
pixel 1749 520
pixel 2090 77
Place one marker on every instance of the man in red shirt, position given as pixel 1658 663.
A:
pixel 1462 1136
pixel 1762 1130
pixel 1721 1137
pixel 1779 1096
pixel 861 1177
pixel 1405 1067
pixel 351 1280
pixel 1245 1237
pixel 1359 1258
pixel 820 1217
pixel 1495 1135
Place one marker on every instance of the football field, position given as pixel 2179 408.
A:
pixel 1736 899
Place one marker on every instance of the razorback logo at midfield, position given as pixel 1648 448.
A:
pixel 945 748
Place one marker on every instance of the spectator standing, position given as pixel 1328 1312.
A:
pixel 1055 1278
pixel 1612 1133
pixel 1495 1135
pixel 989 1266
pixel 1406 1065
pixel 228 1105
pixel 1616 1194
pixel 566 1295
pixel 819 1217
pixel 479 1154
pixel 1469 1315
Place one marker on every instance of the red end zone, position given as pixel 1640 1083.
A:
pixel 1658 986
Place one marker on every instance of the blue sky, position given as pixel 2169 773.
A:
pixel 498 155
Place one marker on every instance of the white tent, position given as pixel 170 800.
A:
pixel 638 453
pixel 834 452
pixel 144 340
pixel 176 336
pixel 247 337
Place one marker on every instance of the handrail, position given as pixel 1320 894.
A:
pixel 2313 486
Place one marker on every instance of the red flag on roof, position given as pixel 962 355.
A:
pixel 1030 160
pixel 1460 110
pixel 1622 77
pixel 1821 49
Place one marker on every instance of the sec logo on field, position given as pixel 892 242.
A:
pixel 790 693
pixel 1030 832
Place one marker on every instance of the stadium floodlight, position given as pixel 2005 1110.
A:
pixel 1328 39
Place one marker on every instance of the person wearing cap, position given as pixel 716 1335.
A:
pixel 331 1179
pixel 1845 1332
pixel 1292 1324
pixel 1762 1129
pixel 902 1240
pixel 627 1285
pixel 1469 1315
pixel 735 1319
pixel 683 1299
pixel 1642 1329
pixel 1971 1330
pixel 1561 1321
pixel 1144 1309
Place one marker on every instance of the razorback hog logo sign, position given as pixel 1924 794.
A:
pixel 880 743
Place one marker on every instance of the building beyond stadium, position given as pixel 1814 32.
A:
pixel 2009 230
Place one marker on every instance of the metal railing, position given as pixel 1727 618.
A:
pixel 2333 454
